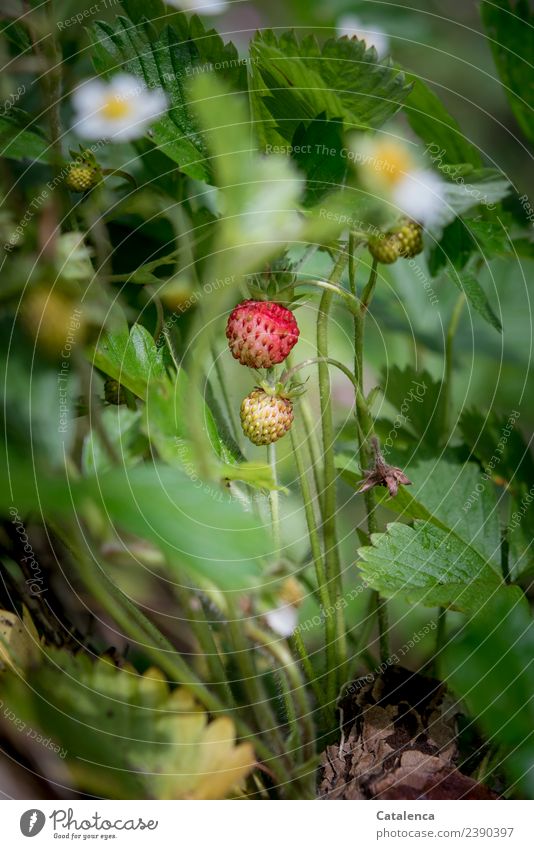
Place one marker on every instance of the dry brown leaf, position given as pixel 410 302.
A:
pixel 398 742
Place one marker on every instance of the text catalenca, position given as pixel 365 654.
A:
pixel 403 815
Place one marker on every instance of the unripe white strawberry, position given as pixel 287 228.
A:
pixel 265 417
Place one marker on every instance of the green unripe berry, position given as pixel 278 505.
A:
pixel 81 177
pixel 385 248
pixel 410 235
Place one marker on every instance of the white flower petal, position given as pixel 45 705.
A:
pixel 126 87
pixel 91 127
pixel 421 196
pixel 88 97
pixel 153 103
pixel 97 116
pixel 283 620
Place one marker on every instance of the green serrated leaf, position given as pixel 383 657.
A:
pixel 477 298
pixel 341 79
pixel 453 497
pixel 509 27
pixel 498 444
pixel 428 565
pixel 167 420
pixel 456 246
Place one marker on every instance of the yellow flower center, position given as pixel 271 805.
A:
pixel 389 162
pixel 116 108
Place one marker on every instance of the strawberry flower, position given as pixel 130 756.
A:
pixel 389 168
pixel 120 109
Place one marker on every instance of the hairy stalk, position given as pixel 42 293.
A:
pixel 365 426
pixel 331 287
pixel 294 739
pixel 329 501
pixel 312 444
pixel 309 425
pixel 300 649
pixel 274 501
pixel 449 349
pixel 352 264
pixel 326 699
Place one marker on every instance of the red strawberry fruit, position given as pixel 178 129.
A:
pixel 265 417
pixel 261 333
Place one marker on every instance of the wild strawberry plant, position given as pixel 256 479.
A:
pixel 229 497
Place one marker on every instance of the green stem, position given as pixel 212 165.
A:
pixel 309 671
pixel 329 501
pixel 330 286
pixel 366 427
pixel 274 500
pixel 312 444
pixel 287 375
pixel 352 264
pixel 449 347
pixel 368 292
pixel 326 699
